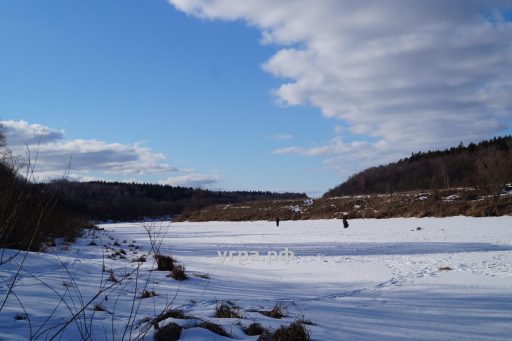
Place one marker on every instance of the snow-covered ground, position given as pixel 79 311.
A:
pixel 376 280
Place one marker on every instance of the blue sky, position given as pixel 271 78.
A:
pixel 202 85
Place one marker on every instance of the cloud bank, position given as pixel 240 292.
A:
pixel 54 152
pixel 401 75
pixel 91 158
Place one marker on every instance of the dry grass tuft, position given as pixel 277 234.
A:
pixel 302 320
pixel 276 313
pixel 178 273
pixel 214 328
pixel 292 332
pixel 254 329
pixel 171 313
pixel 164 263
pixel 223 310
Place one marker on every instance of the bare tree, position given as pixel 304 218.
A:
pixel 494 171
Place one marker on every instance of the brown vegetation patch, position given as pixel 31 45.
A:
pixel 214 328
pixel 164 263
pixel 293 332
pixel 178 273
pixel 276 313
pixel 223 310
pixel 254 329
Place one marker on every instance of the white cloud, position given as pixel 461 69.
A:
pixel 21 133
pixel 410 75
pixel 192 180
pixel 54 152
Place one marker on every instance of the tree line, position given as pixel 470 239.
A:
pixel 99 200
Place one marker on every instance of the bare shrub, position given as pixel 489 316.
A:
pixel 494 171
pixel 164 263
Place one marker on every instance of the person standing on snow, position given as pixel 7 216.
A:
pixel 345 221
pixel 277 221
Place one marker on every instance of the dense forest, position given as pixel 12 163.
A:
pixel 486 165
pixel 131 201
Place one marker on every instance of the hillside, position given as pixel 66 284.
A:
pixel 486 165
pixel 439 203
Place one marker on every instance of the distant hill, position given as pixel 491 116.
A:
pixel 486 165
pixel 119 201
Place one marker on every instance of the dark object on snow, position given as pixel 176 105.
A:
pixel 170 332
pixel 418 228
pixel 345 221
pixel 277 221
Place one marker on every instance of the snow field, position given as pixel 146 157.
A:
pixel 376 280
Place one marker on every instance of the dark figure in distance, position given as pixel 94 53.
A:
pixel 277 221
pixel 345 221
